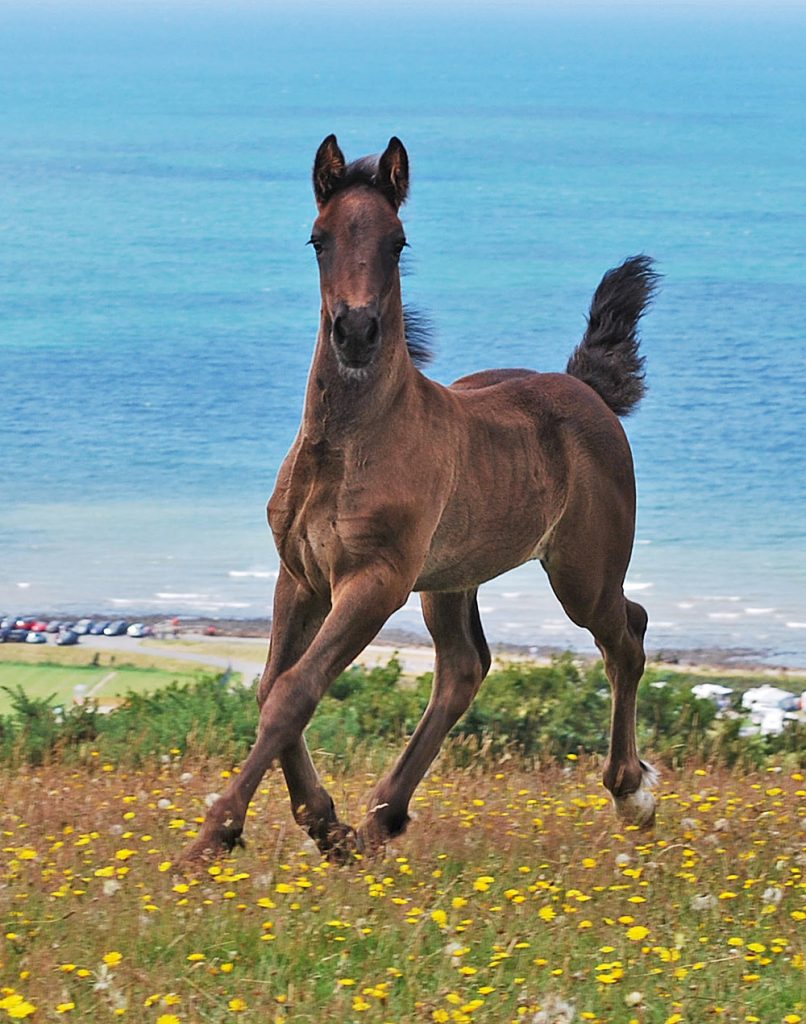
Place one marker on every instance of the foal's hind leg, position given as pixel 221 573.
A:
pixel 629 779
pixel 462 662
pixel 618 626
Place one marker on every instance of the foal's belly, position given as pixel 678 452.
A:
pixel 476 561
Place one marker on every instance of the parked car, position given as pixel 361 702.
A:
pixel 17 636
pixel 40 626
pixel 9 622
pixel 67 638
pixel 97 628
pixel 36 637
pixel 83 626
pixel 55 625
pixel 4 631
pixel 138 629
pixel 117 628
pixel 25 622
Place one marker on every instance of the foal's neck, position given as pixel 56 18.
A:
pixel 339 402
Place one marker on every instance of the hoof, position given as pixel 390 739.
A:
pixel 342 846
pixel 638 808
pixel 209 847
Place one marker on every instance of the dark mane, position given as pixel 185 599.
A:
pixel 419 336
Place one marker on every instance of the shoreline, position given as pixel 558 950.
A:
pixel 700 658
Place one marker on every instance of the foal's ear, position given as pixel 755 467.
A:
pixel 393 172
pixel 328 167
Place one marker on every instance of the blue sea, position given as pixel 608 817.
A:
pixel 159 306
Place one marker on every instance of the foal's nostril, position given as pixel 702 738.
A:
pixel 339 333
pixel 372 330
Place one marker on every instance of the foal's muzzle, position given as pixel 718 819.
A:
pixel 356 335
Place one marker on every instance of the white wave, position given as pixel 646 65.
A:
pixel 23 586
pixel 170 595
pixel 555 628
pixel 211 605
pixel 685 605
pixel 759 611
pixel 723 615
pixel 256 574
pixel 486 608
pixel 513 595
pixel 632 587
pixel 719 597
pixel 796 625
pixel 217 605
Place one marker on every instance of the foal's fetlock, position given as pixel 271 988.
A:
pixel 622 779
pixel 631 789
pixel 220 834
pixel 380 828
pixel 213 843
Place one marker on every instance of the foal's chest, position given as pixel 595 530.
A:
pixel 303 512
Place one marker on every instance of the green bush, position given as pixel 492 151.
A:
pixel 36 731
pixel 541 711
pixel 532 711
pixel 206 717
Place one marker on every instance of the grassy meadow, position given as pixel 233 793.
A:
pixel 514 896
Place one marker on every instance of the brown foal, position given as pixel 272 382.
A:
pixel 398 484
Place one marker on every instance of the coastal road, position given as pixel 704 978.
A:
pixel 247 667
pixel 415 660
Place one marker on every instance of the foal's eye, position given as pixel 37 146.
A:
pixel 317 246
pixel 399 247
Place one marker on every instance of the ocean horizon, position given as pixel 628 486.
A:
pixel 159 306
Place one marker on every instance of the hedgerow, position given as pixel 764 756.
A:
pixel 534 712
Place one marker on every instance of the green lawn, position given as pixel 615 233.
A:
pixel 106 683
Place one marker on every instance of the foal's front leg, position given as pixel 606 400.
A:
pixel 296 619
pixel 361 605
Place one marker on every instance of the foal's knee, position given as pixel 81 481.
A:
pixel 287 709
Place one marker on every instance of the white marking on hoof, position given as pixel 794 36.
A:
pixel 638 808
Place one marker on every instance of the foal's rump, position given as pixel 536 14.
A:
pixel 575 456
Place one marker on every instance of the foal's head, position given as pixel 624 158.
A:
pixel 358 239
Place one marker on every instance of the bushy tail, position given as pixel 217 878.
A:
pixel 607 358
